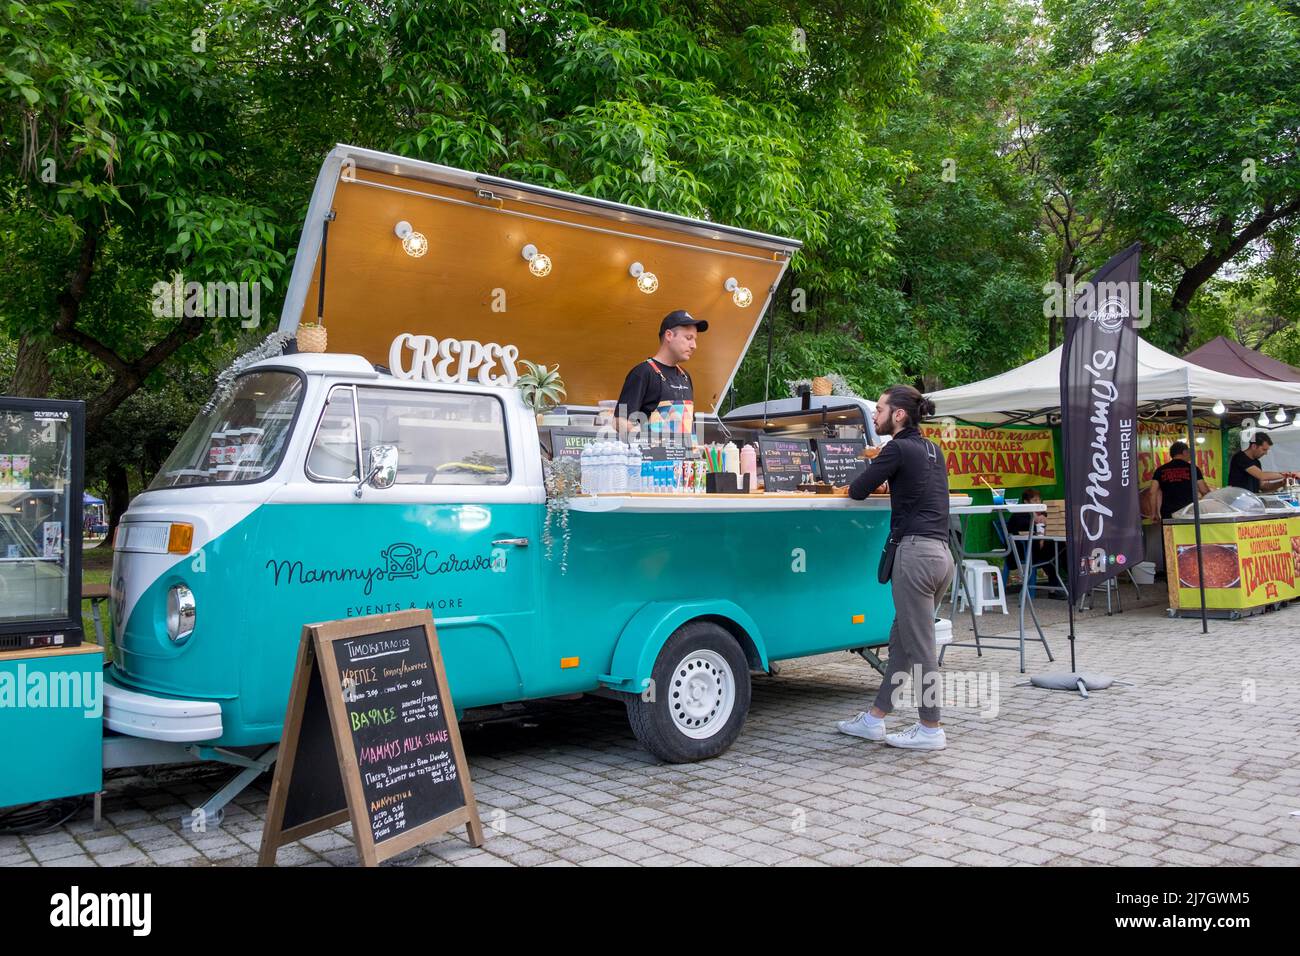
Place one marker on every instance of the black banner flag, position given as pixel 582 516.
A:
pixel 1099 372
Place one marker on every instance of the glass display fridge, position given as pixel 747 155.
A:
pixel 41 448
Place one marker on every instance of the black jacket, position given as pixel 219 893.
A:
pixel 904 463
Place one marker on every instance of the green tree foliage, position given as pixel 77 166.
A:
pixel 121 166
pixel 940 159
pixel 1182 115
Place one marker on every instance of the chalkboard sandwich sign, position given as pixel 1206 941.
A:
pixel 841 459
pixel 787 463
pixel 370 736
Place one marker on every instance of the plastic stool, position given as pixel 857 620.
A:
pixel 976 579
pixel 967 566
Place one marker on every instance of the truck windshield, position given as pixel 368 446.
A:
pixel 241 438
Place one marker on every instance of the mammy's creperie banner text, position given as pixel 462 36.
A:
pixel 1002 457
pixel 1099 388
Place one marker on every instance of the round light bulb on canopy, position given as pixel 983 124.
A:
pixel 1219 407
pixel 1263 418
pixel 539 264
pixel 1280 416
pixel 413 242
pixel 647 282
pixel 739 293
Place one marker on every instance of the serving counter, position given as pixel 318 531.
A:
pixel 1251 563
pixel 639 503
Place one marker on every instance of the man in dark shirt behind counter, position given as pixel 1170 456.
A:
pixel 923 565
pixel 1173 481
pixel 1244 470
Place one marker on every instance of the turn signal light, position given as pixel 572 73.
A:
pixel 180 537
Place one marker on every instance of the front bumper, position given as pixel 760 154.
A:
pixel 159 718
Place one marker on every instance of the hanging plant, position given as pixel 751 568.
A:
pixel 563 479
pixel 541 387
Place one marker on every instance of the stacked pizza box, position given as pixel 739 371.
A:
pixel 1055 518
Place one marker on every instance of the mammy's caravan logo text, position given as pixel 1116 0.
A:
pixel 399 561
pixel 77 909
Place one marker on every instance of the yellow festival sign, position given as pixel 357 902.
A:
pixel 1153 451
pixel 1002 457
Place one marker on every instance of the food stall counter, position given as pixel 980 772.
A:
pixel 1250 553
pixel 635 502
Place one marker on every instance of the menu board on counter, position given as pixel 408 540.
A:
pixel 370 736
pixel 569 442
pixel 840 459
pixel 787 463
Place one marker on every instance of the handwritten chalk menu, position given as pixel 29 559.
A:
pixel 840 458
pixel 787 462
pixel 370 736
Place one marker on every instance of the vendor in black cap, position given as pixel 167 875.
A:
pixel 659 391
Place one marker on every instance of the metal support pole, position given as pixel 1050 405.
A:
pixel 324 247
pixel 1196 515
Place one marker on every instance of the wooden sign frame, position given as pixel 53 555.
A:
pixel 819 448
pixel 313 659
pixel 764 457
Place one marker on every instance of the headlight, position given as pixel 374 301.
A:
pixel 180 613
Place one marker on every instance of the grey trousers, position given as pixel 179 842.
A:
pixel 923 571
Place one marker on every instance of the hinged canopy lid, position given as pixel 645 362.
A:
pixel 473 282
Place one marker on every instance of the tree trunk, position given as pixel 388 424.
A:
pixel 119 496
pixel 32 373
pixel 1223 247
pixel 1065 265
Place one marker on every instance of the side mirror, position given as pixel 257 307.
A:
pixel 381 470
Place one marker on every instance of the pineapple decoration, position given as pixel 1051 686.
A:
pixel 541 387
pixel 311 337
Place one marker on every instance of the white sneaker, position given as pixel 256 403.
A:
pixel 860 727
pixel 917 738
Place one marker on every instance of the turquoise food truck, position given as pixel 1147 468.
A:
pixel 396 470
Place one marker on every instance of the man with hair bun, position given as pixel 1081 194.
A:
pixel 922 565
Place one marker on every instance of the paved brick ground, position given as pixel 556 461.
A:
pixel 1195 765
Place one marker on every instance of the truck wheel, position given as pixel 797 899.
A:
pixel 700 696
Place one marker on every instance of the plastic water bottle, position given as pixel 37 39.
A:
pixel 600 466
pixel 618 468
pixel 588 476
pixel 633 468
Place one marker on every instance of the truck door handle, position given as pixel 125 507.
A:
pixel 517 542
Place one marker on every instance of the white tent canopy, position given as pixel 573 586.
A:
pixel 1164 382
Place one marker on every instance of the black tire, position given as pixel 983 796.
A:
pixel 659 724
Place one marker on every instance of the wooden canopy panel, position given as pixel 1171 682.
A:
pixel 587 314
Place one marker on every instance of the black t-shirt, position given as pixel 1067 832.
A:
pixel 1237 476
pixel 1019 523
pixel 650 383
pixel 904 463
pixel 1175 479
